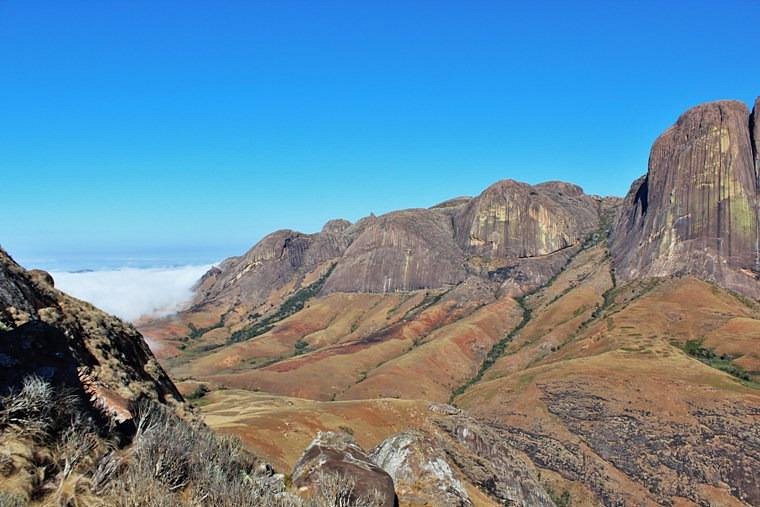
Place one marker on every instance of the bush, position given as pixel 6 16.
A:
pixel 301 347
pixel 199 392
pixel 38 410
pixel 171 455
pixel 723 363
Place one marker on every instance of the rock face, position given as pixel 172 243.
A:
pixel 269 265
pixel 513 236
pixel 755 133
pixel 405 250
pixel 338 454
pixel 45 332
pixel 696 210
pixel 481 453
pixel 512 219
pixel 413 249
pixel 420 471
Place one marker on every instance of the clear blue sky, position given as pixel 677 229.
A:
pixel 189 129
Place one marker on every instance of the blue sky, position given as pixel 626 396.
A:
pixel 174 132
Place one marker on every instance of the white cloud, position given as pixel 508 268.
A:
pixel 130 293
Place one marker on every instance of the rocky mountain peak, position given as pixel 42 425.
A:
pixel 696 209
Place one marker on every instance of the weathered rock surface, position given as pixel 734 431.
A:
pixel 482 455
pixel 420 471
pixel 431 466
pixel 45 332
pixel 695 212
pixel 338 454
pixel 755 134
pixel 513 234
pixel 269 265
pixel 512 219
pixel 404 250
pixel 413 249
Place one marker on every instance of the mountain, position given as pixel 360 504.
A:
pixel 532 345
pixel 512 238
pixel 611 344
pixel 696 210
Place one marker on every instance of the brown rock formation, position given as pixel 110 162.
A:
pixel 531 232
pixel 279 259
pixel 405 250
pixel 412 249
pixel 512 219
pixel 338 454
pixel 755 134
pixel 696 209
pixel 45 332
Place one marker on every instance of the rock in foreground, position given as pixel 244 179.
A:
pixel 337 457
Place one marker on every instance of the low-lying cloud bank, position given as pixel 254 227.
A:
pixel 130 293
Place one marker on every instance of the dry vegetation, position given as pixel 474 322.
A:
pixel 53 451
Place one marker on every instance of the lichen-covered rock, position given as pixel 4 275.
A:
pixel 513 219
pixel 337 454
pixel 69 342
pixel 696 209
pixel 420 471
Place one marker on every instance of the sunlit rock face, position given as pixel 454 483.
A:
pixel 755 133
pixel 513 219
pixel 404 250
pixel 696 209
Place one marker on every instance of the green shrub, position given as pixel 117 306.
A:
pixel 723 363
pixel 199 392
pixel 301 347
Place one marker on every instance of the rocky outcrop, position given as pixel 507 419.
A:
pixel 280 259
pixel 71 343
pixel 433 465
pixel 755 134
pixel 514 236
pixel 515 220
pixel 338 455
pixel 416 248
pixel 270 264
pixel 486 460
pixel 696 210
pixel 420 471
pixel 413 249
pixel 720 452
pixel 404 250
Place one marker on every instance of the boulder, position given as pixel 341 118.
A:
pixel 418 466
pixel 338 455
